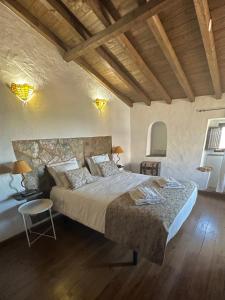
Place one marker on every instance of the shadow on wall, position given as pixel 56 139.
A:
pixel 135 167
pixel 6 168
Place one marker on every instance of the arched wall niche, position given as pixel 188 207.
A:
pixel 157 140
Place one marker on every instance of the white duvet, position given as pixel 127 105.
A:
pixel 88 204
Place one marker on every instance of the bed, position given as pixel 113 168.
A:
pixel 105 205
pixel 88 204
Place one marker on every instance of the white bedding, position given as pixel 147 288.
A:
pixel 88 204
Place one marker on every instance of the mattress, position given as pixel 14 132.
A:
pixel 88 204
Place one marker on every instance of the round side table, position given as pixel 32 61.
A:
pixel 35 207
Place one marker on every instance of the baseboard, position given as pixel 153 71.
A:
pixel 212 193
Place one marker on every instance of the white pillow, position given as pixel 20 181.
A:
pixel 97 159
pixel 57 171
pixel 94 161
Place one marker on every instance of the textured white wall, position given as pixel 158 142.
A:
pixel 186 130
pixel 61 107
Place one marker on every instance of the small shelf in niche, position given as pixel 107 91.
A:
pixel 156 155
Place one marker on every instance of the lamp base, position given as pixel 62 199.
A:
pixel 118 159
pixel 22 181
pixel 120 166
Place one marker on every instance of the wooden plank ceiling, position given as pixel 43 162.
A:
pixel 140 50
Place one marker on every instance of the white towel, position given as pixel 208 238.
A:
pixel 145 195
pixel 169 183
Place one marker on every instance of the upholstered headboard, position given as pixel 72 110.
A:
pixel 39 153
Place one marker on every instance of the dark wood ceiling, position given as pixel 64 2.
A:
pixel 165 50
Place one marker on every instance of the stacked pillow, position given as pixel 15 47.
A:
pixel 101 165
pixel 108 168
pixel 58 170
pixel 94 161
pixel 69 174
pixel 79 177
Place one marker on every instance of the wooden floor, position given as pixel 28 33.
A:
pixel 82 264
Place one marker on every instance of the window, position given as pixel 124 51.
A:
pixel 215 138
pixel 157 140
pixel 222 139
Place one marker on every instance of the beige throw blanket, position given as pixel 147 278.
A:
pixel 145 228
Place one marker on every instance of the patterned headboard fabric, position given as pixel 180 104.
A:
pixel 39 153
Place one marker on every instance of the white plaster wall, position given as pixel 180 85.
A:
pixel 61 107
pixel 186 131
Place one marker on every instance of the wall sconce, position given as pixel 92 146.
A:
pixel 23 91
pixel 100 103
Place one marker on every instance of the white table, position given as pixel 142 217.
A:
pixel 35 207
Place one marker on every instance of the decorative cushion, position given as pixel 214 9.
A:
pixel 79 177
pixel 91 166
pixel 108 168
pixel 94 161
pixel 57 171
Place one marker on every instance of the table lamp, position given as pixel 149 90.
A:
pixel 118 150
pixel 21 167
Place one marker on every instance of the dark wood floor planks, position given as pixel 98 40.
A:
pixel 83 265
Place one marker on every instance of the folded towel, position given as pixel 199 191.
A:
pixel 169 183
pixel 145 195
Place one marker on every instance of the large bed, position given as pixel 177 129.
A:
pixel 88 204
pixel 105 205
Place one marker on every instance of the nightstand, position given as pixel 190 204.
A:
pixel 35 207
pixel 27 197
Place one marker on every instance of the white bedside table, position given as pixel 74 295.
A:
pixel 35 207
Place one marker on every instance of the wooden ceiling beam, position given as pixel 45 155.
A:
pixel 127 43
pixel 123 75
pixel 61 9
pixel 83 33
pixel 203 16
pixel 163 41
pixel 28 18
pixel 99 11
pixel 85 65
pixel 123 24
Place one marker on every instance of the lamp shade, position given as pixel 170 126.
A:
pixel 118 150
pixel 20 167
